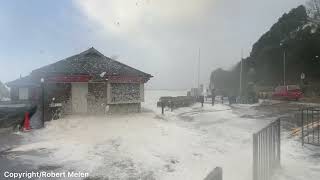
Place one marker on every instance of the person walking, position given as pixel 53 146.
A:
pixel 213 96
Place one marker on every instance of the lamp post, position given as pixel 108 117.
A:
pixel 42 101
pixel 284 63
pixel 241 69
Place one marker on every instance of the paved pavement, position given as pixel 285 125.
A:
pixel 9 161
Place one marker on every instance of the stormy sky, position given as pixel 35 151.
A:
pixel 160 37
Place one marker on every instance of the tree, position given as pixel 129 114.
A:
pixel 4 93
pixel 313 8
pixel 264 66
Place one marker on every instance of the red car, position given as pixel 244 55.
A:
pixel 290 92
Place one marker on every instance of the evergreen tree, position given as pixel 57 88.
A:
pixel 294 35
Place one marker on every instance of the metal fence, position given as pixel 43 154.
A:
pixel 266 151
pixel 215 174
pixel 310 126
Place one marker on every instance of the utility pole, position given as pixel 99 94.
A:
pixel 241 69
pixel 284 62
pixel 284 67
pixel 199 68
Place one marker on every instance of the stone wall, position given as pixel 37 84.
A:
pixel 97 97
pixel 125 108
pixel 125 93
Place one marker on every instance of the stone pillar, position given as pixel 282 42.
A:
pixel 108 92
pixel 142 92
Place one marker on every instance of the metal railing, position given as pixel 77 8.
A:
pixel 266 151
pixel 310 126
pixel 215 174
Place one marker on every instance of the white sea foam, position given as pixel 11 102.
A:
pixel 184 144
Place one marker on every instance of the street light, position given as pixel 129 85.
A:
pixel 284 63
pixel 42 101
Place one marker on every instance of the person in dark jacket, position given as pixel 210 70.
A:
pixel 213 96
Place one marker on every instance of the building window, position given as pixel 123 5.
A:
pixel 23 93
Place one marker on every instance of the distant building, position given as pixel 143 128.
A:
pixel 195 92
pixel 88 82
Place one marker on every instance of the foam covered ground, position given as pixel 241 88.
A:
pixel 184 144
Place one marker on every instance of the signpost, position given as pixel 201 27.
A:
pixel 302 76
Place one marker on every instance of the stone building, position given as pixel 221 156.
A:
pixel 88 82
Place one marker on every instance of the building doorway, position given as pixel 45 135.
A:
pixel 79 94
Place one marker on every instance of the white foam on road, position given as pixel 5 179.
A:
pixel 184 144
pixel 298 162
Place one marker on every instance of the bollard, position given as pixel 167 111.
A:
pixel 162 108
pixel 26 124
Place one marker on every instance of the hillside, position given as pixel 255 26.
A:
pixel 295 34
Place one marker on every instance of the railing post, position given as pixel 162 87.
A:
pixel 312 126
pixel 268 150
pixel 302 126
pixel 255 157
pixel 308 125
pixel 262 151
pixel 216 174
pixel 318 125
pixel 279 141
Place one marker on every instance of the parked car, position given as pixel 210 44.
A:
pixel 290 92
